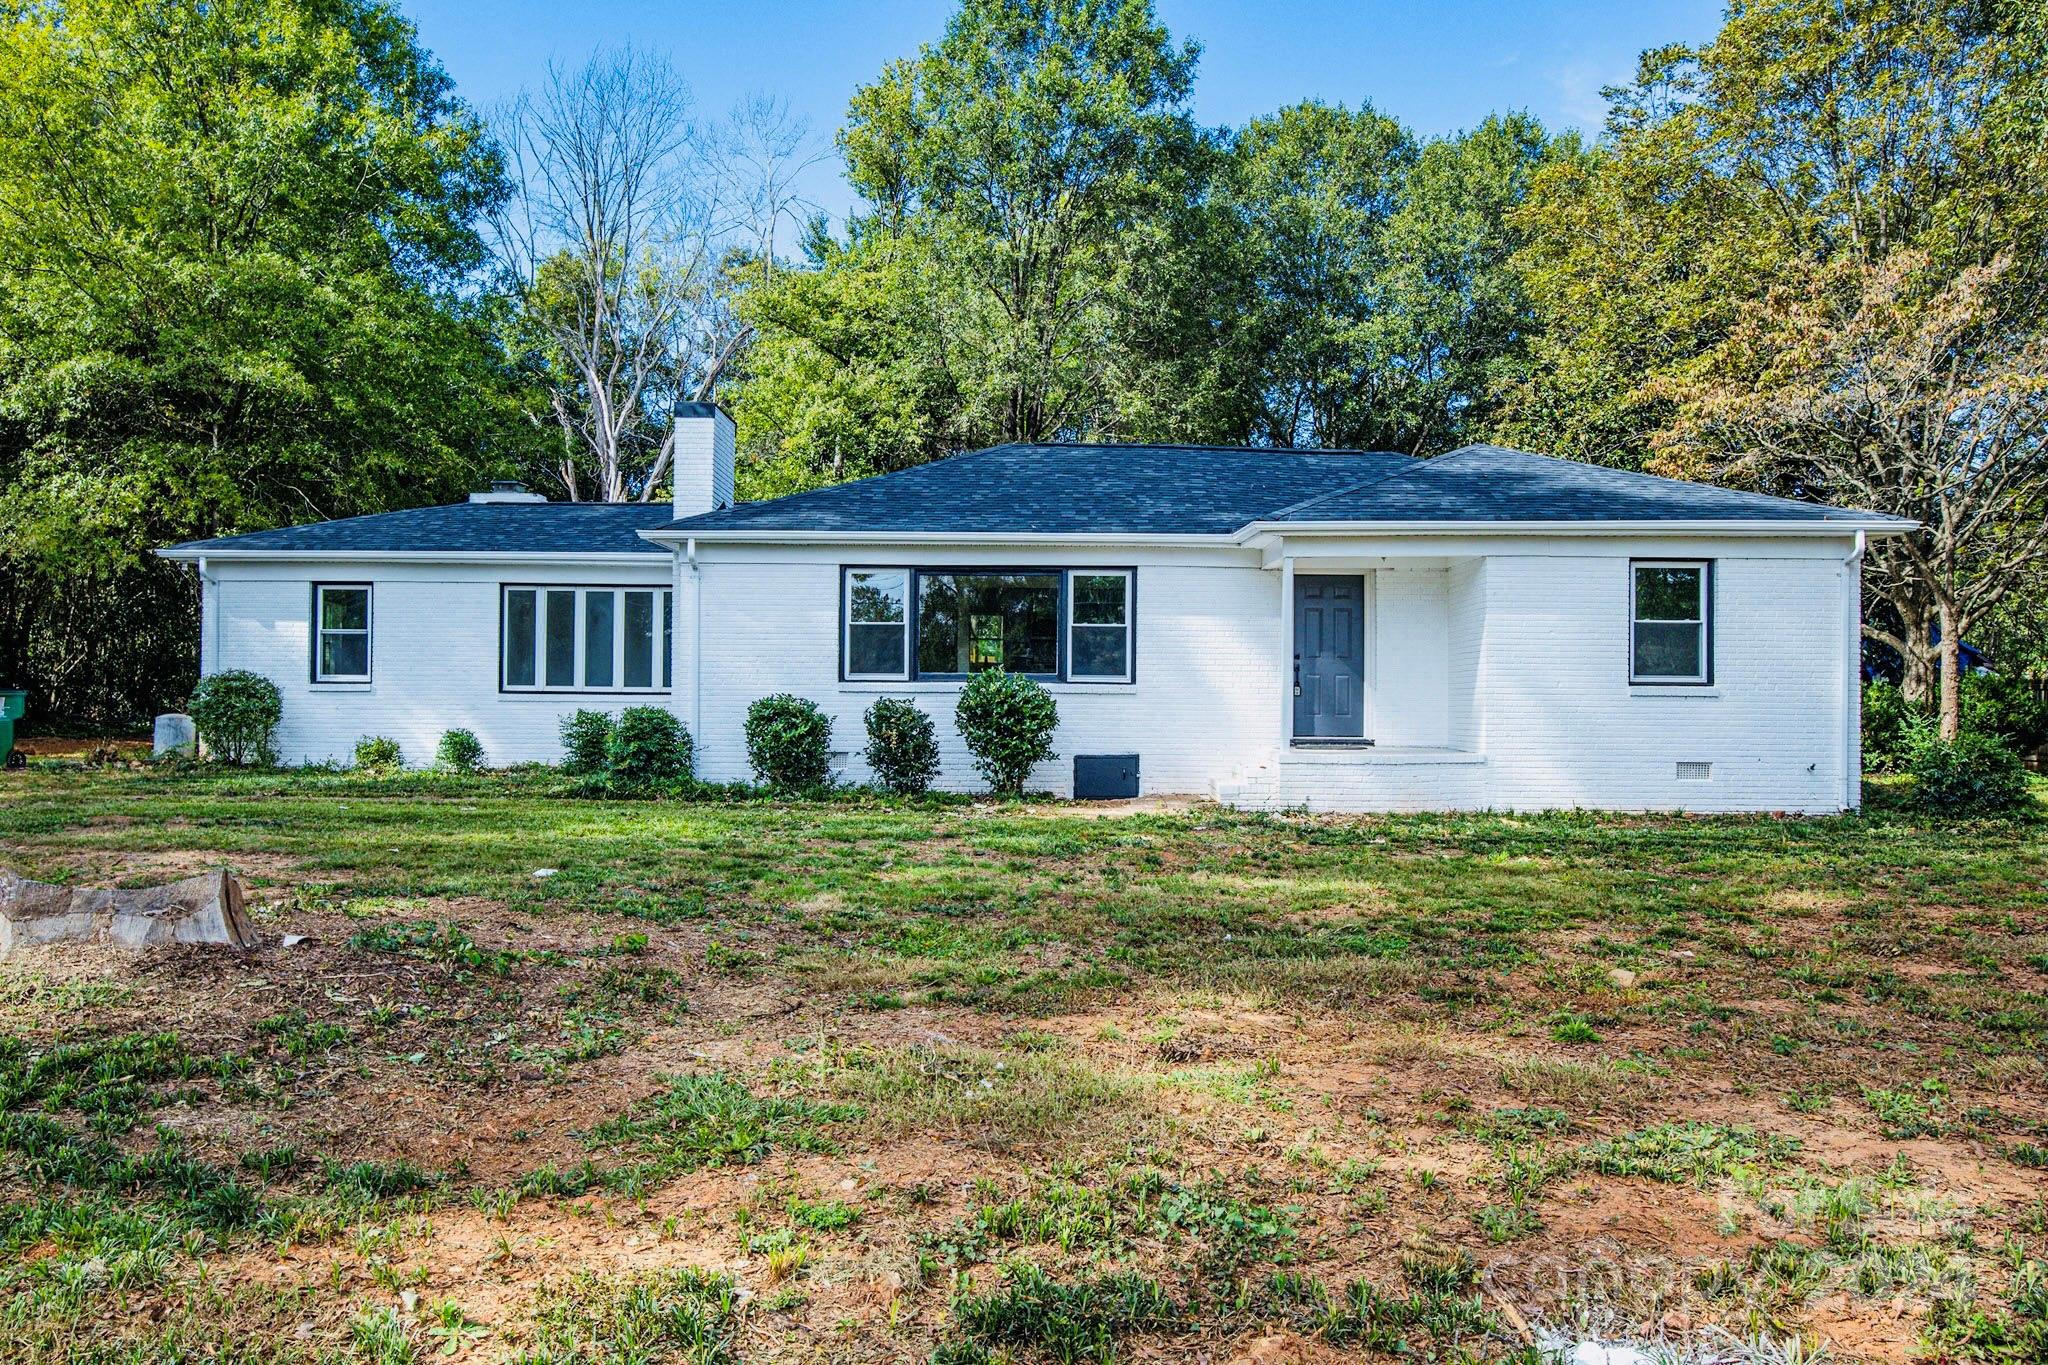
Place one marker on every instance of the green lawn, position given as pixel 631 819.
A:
pixel 905 1078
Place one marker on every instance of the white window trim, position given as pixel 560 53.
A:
pixel 579 638
pixel 1703 623
pixel 847 623
pixel 321 631
pixel 1129 628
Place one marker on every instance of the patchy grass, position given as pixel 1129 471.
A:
pixel 972 1082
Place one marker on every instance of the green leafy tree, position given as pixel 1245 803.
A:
pixel 1809 260
pixel 1030 180
pixel 1386 311
pixel 1312 190
pixel 233 237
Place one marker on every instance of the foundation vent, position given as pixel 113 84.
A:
pixel 1695 772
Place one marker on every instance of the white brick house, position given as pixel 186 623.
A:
pixel 1336 630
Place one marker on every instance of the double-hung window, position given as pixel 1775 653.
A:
pixel 576 639
pixel 341 632
pixel 877 615
pixel 941 624
pixel 1099 627
pixel 1671 621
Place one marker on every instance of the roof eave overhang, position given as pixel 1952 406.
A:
pixel 1260 532
pixel 191 555
pixel 758 536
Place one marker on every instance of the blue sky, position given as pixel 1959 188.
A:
pixel 1437 65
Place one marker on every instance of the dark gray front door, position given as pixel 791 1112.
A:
pixel 1329 656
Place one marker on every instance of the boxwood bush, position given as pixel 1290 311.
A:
pixel 1975 775
pixel 902 746
pixel 649 748
pixel 236 714
pixel 378 753
pixel 1008 722
pixel 460 751
pixel 587 741
pixel 789 743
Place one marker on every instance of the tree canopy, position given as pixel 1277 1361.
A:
pixel 259 264
pixel 232 241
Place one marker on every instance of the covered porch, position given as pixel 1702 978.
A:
pixel 1378 698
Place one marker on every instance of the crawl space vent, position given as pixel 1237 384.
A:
pixel 1695 772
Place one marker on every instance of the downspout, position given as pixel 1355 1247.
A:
pixel 1852 675
pixel 696 644
pixel 209 618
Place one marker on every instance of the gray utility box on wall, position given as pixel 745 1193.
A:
pixel 1105 777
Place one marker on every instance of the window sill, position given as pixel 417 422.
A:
pixel 556 698
pixel 1687 691
pixel 865 686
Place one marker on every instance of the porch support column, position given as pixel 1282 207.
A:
pixel 1286 651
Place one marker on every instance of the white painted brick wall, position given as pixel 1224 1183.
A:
pixel 1411 660
pixel 1465 612
pixel 434 657
pixel 1520 656
pixel 1207 666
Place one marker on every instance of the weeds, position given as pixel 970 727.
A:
pixel 1686 1152
pixel 1078 1321
pixel 711 1120
pixel 687 1317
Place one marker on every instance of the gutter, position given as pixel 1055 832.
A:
pixel 180 555
pixel 746 536
pixel 1737 527
pixel 1305 530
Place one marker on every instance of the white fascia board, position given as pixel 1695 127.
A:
pixel 749 537
pixel 415 556
pixel 1887 526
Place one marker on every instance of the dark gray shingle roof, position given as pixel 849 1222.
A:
pixel 1053 489
pixel 1482 483
pixel 468 528
pixel 1084 489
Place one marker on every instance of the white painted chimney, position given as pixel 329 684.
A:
pixel 507 490
pixel 706 442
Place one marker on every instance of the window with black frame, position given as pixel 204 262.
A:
pixel 1670 636
pixel 974 622
pixel 585 639
pixel 904 624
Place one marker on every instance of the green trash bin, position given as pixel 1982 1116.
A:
pixel 13 706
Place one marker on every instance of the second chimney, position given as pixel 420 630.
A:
pixel 706 441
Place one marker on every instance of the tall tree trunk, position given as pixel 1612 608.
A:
pixel 1920 663
pixel 1951 675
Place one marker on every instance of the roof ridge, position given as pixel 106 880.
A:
pixel 1414 462
pixel 1202 445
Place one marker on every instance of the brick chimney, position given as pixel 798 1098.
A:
pixel 705 446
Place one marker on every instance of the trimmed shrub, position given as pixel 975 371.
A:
pixel 378 753
pixel 1976 775
pixel 460 751
pixel 902 746
pixel 587 741
pixel 1007 720
pixel 236 714
pixel 649 748
pixel 789 743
